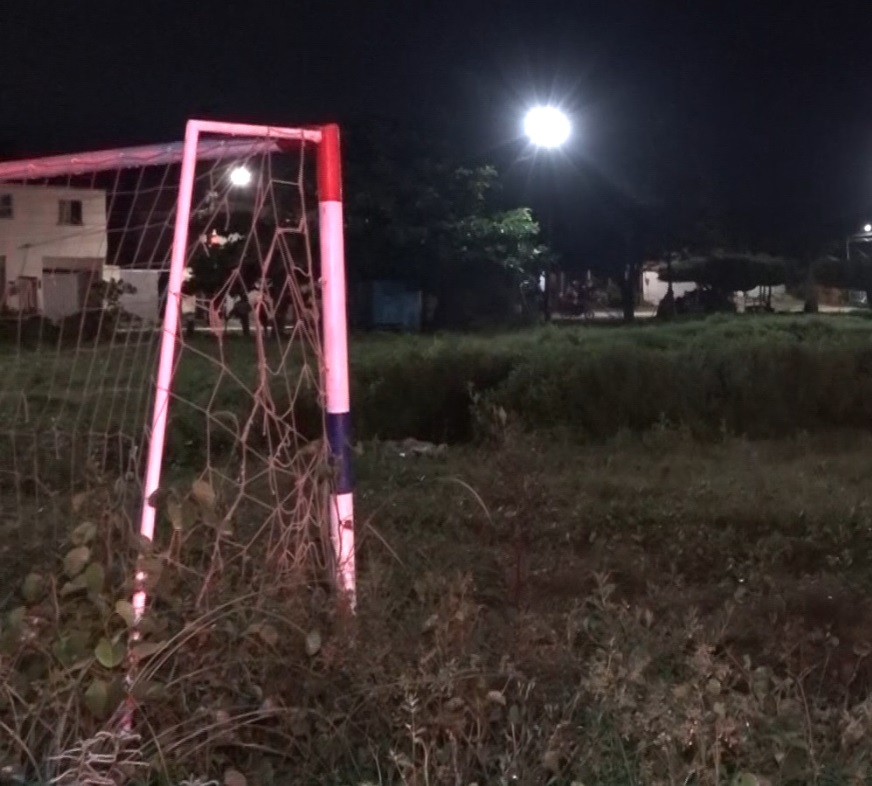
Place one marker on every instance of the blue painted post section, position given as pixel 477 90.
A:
pixel 339 441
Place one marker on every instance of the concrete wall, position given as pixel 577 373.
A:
pixel 144 303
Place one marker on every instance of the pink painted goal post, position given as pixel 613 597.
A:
pixel 191 300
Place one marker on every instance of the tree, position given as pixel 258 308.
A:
pixel 728 271
pixel 834 269
pixel 213 265
pixel 502 246
pixel 416 215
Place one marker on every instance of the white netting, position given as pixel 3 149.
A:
pixel 85 257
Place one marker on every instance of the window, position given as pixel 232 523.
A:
pixel 5 205
pixel 70 212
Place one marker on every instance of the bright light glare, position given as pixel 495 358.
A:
pixel 546 126
pixel 867 228
pixel 240 176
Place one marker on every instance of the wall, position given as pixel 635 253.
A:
pixel 145 302
pixel 66 284
pixel 34 233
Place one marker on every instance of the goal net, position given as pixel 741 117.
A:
pixel 173 410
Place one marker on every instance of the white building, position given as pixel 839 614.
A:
pixel 144 301
pixel 53 244
pixel 654 289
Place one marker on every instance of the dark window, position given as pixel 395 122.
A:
pixel 70 212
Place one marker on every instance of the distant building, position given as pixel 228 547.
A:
pixel 148 291
pixel 53 245
pixel 654 288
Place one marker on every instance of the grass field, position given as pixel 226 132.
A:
pixel 644 557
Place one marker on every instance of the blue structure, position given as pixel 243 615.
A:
pixel 396 307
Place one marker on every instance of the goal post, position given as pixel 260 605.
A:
pixel 200 197
pixel 337 389
pixel 337 397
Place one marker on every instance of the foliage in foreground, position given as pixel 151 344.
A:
pixel 651 612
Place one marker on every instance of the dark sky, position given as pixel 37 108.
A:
pixel 768 104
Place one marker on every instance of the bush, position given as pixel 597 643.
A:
pixel 426 395
pixel 759 377
pixel 26 331
pixel 755 376
pixel 757 390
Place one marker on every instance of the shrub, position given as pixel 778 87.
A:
pixel 759 377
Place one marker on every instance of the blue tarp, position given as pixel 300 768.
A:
pixel 396 306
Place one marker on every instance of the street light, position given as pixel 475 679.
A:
pixel 240 176
pixel 865 236
pixel 549 128
pixel 546 126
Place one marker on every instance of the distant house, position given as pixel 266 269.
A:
pixel 53 245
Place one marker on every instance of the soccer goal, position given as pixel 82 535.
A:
pixel 173 357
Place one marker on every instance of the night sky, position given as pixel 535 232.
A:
pixel 766 113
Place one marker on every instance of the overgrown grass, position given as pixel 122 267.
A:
pixel 602 579
pixel 749 375
pixel 645 611
pixel 764 377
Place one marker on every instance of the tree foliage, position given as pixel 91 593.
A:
pixel 212 267
pixel 728 271
pixel 832 270
pixel 509 237
pixel 415 215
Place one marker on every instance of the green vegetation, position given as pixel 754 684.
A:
pixel 643 558
pixel 755 377
pixel 418 215
pixel 749 376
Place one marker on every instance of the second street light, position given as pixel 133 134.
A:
pixel 240 176
pixel 548 128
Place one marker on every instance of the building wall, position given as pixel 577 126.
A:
pixel 63 294
pixel 34 238
pixel 145 302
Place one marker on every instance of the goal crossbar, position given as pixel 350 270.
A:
pixel 156 155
